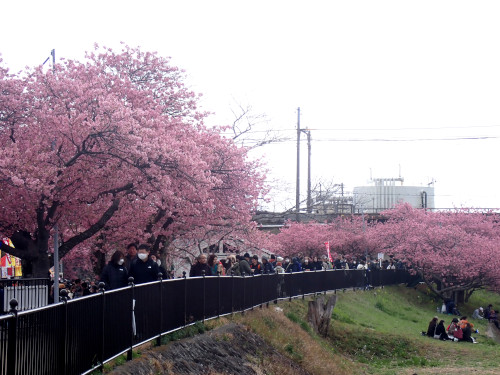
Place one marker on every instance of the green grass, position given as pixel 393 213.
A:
pixel 371 332
pixel 296 319
pixel 190 331
pixel 381 330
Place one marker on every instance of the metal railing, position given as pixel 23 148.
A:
pixel 29 293
pixel 79 336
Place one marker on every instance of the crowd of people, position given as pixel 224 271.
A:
pixel 457 330
pixel 138 262
pixel 238 265
pixel 460 329
pixel 489 314
pixel 145 267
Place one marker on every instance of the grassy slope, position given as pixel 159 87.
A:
pixel 378 332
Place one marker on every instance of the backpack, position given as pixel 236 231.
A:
pixel 459 334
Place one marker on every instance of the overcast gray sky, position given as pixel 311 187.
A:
pixel 384 85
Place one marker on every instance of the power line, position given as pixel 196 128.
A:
pixel 374 129
pixel 250 141
pixel 405 140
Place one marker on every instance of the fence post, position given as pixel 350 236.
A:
pixel 291 287
pixel 64 342
pixel 160 279
pixel 279 278
pixel 232 293
pixel 132 308
pixel 266 284
pixel 325 284
pixel 218 286
pixel 253 290
pixel 204 297
pixel 12 338
pixel 316 279
pixel 103 306
pixel 244 294
pixel 262 289
pixel 302 286
pixel 185 296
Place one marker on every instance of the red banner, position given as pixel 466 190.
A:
pixel 327 245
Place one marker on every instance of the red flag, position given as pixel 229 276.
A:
pixel 327 245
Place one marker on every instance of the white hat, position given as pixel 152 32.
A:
pixel 480 309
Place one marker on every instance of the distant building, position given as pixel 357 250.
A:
pixel 385 194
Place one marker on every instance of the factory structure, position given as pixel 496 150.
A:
pixel 379 195
pixel 385 193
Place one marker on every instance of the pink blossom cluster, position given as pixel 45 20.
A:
pixel 458 250
pixel 113 149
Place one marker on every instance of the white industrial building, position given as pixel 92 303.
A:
pixel 386 193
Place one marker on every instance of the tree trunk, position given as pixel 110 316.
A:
pixel 99 262
pixel 319 313
pixel 34 253
pixel 460 296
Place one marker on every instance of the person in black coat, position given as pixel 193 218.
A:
pixel 296 266
pixel 115 275
pixel 131 256
pixel 144 270
pixel 267 267
pixel 441 331
pixel 467 333
pixel 308 265
pixel 200 268
pixel 431 330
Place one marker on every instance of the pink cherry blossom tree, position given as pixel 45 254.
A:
pixel 451 251
pixel 112 149
pixel 346 235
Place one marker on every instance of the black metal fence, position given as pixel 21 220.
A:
pixel 29 293
pixel 80 335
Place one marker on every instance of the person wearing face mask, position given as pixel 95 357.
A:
pixel 144 270
pixel 115 275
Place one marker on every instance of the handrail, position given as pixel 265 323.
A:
pixel 126 318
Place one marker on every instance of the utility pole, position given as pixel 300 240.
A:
pixel 297 197
pixel 309 197
pixel 297 187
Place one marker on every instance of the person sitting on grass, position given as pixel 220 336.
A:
pixel 441 332
pixel 477 314
pixel 431 330
pixel 467 333
pixel 487 311
pixel 463 322
pixel 452 328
